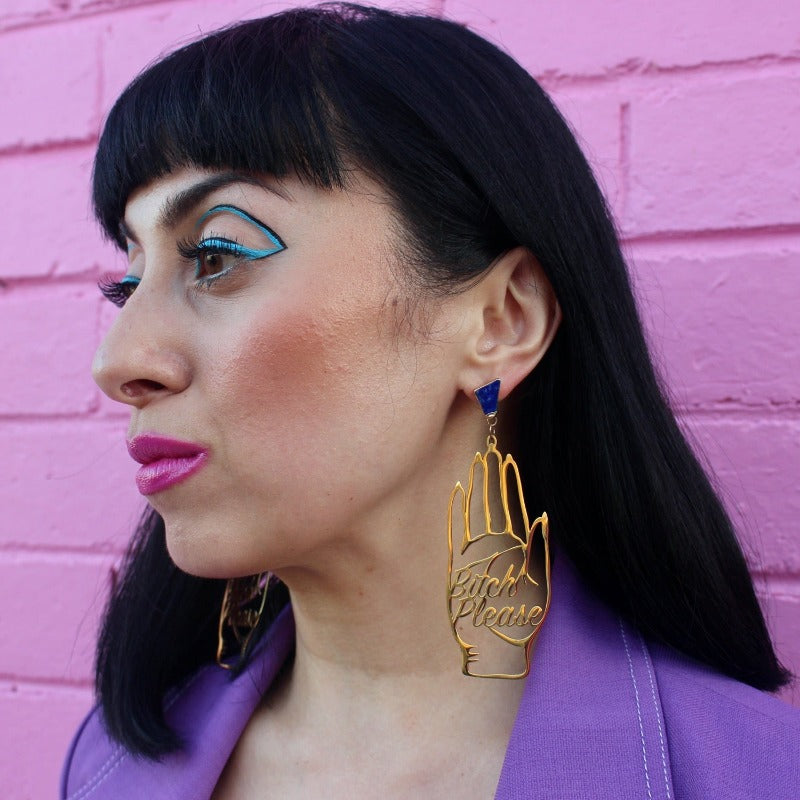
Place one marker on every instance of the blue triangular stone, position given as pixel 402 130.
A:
pixel 487 396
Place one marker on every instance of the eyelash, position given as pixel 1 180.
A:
pixel 119 292
pixel 116 292
pixel 194 251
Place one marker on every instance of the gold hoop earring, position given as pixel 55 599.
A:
pixel 495 605
pixel 242 606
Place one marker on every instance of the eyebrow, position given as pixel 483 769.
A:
pixel 179 205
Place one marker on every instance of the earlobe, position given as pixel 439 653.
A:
pixel 520 318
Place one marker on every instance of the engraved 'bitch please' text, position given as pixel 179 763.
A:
pixel 481 597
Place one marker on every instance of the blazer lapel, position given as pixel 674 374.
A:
pixel 590 722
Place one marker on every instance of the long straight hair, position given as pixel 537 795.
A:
pixel 476 160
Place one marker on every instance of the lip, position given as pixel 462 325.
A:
pixel 165 461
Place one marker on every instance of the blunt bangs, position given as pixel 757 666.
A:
pixel 247 97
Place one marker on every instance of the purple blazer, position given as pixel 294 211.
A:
pixel 604 715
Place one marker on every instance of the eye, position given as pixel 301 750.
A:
pixel 118 292
pixel 216 257
pixel 212 257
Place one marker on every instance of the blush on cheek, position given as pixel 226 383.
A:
pixel 298 398
pixel 302 366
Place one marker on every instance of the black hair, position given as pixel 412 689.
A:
pixel 476 159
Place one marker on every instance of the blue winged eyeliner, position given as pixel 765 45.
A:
pixel 119 292
pixel 277 244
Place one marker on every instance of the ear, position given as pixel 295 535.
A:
pixel 516 316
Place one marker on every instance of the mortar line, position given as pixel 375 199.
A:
pixel 11 682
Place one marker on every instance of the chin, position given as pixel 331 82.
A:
pixel 193 564
pixel 194 554
pixel 198 550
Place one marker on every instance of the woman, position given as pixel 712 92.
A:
pixel 340 223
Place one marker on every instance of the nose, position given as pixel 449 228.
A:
pixel 141 357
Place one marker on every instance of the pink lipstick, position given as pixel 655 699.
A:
pixel 165 462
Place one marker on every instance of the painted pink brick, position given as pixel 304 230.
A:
pixel 111 5
pixel 38 723
pixel 724 320
pixel 595 119
pixel 133 39
pixel 715 155
pixel 16 12
pixel 56 601
pixel 594 37
pixel 757 464
pixel 49 228
pixel 50 84
pixel 67 485
pixel 50 362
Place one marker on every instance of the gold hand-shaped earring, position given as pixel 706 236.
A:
pixel 494 603
pixel 242 606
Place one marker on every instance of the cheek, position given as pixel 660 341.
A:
pixel 299 376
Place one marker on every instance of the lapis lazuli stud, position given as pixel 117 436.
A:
pixel 487 396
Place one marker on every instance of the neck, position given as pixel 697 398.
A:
pixel 372 620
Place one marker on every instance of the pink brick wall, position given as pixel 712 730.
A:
pixel 690 112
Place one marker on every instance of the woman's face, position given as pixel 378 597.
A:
pixel 271 330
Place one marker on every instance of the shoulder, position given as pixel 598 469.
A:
pixel 725 739
pixel 208 712
pixel 94 757
pixel 89 745
pixel 608 714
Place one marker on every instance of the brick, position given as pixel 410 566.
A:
pixel 50 362
pixel 134 39
pixel 756 463
pixel 595 120
pixel 113 5
pixel 46 197
pixel 593 38
pixel 49 76
pixel 67 485
pixel 56 602
pixel 715 155
pixel 38 725
pixel 16 12
pixel 722 320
